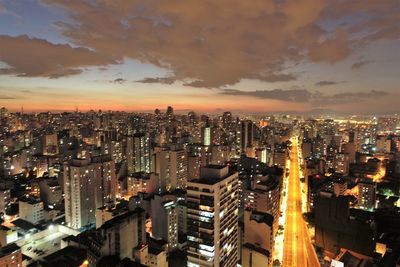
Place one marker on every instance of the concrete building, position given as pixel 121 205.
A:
pixel 366 194
pixel 246 134
pixel 194 165
pixel 138 153
pixel 31 209
pixel 341 163
pixel 339 187
pixel 206 135
pixel 350 150
pixel 383 144
pixel 123 236
pixel 88 184
pixel 337 226
pixel 306 148
pixel 50 144
pixel 172 167
pixel 254 256
pixel 212 217
pixel 280 157
pixel 162 167
pixel 258 233
pixel 157 258
pixel 7 235
pixel 5 200
pixel 179 168
pixel 164 219
pixel 50 191
pixel 141 182
pixel 10 255
pixel 106 213
pixel 264 196
pixel 219 155
pixel 261 155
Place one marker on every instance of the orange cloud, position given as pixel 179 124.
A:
pixel 203 43
pixel 29 57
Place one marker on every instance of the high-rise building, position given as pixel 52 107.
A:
pixel 172 168
pixel 212 218
pixel 350 150
pixel 50 144
pixel 162 167
pixel 5 199
pixel 306 148
pixel 31 209
pixel 258 239
pixel 179 168
pixel 318 147
pixel 165 219
pixel 141 182
pixel 247 133
pixel 138 153
pixel 227 121
pixel 88 184
pixel 123 236
pixel 50 191
pixel 261 155
pixel 264 196
pixel 194 165
pixel 336 226
pixel 339 187
pixel 219 155
pixel 366 194
pixel 206 135
pixel 280 157
pixel 341 163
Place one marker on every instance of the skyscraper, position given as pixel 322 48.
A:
pixel 206 135
pixel 212 217
pixel 138 153
pixel 165 219
pixel 247 133
pixel 179 168
pixel 366 194
pixel 88 185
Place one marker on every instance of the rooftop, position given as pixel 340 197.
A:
pixel 8 249
pixel 258 249
pixel 262 217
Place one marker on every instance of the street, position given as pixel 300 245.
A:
pixel 298 249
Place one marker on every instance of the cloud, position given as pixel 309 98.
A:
pixel 3 9
pixel 331 50
pixel 205 43
pixel 380 19
pixel 294 95
pixel 4 97
pixel 119 81
pixel 327 83
pixel 29 57
pixel 360 64
pixel 305 96
pixel 165 80
pixel 208 43
pixel 349 97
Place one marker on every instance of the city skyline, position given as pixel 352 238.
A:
pixel 265 56
pixel 201 133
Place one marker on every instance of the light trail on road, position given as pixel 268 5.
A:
pixel 298 250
